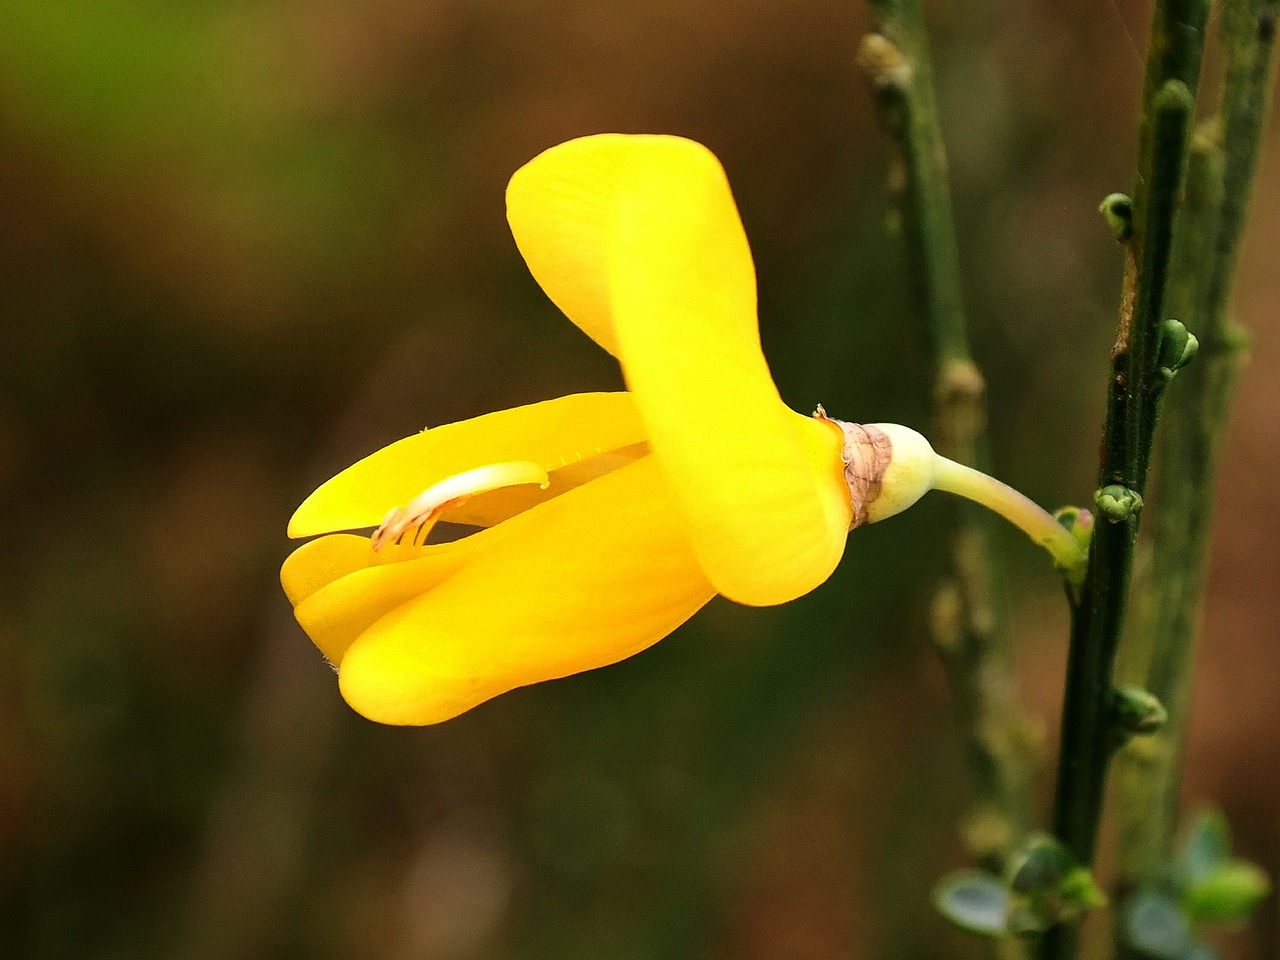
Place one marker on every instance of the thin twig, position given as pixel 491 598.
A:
pixel 967 625
pixel 1136 386
pixel 1223 160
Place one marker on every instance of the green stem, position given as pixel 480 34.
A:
pixel 973 637
pixel 896 58
pixel 1223 162
pixel 1023 512
pixel 1089 737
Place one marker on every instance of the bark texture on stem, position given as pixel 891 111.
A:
pixel 1135 389
pixel 1223 160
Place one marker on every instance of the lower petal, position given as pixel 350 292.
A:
pixel 336 613
pixel 589 578
pixel 318 563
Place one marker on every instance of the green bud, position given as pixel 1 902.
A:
pixel 1174 97
pixel 1117 502
pixel 1138 711
pixel 1117 210
pixel 1079 521
pixel 1228 894
pixel 1177 347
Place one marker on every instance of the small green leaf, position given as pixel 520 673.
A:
pixel 1044 862
pixel 1048 887
pixel 1154 924
pixel 973 901
pixel 1228 894
pixel 1199 950
pixel 1079 888
pixel 1206 847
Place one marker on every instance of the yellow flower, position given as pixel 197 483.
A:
pixel 608 518
pixel 696 481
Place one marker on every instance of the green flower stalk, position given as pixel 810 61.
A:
pixel 889 467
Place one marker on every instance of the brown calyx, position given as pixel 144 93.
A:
pixel 867 453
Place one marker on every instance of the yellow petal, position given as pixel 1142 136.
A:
pixel 337 613
pixel 765 523
pixel 555 434
pixel 823 445
pixel 495 506
pixel 320 562
pixel 559 206
pixel 587 579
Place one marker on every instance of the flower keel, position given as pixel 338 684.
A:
pixel 584 580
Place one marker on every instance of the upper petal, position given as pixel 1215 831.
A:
pixel 586 579
pixel 759 485
pixel 555 433
pixel 560 205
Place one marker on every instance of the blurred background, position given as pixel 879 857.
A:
pixel 243 243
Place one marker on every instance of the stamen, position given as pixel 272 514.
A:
pixel 421 513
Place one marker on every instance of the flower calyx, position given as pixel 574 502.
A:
pixel 886 466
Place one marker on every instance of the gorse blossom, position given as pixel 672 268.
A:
pixel 607 519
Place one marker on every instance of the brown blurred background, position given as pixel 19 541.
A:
pixel 243 243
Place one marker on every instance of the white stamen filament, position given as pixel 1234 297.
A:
pixel 421 513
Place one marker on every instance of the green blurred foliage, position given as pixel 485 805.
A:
pixel 243 243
